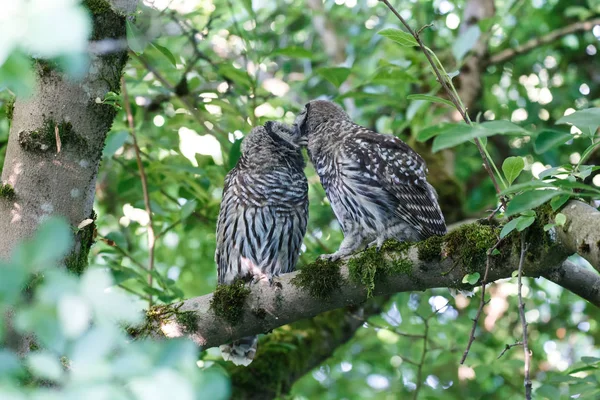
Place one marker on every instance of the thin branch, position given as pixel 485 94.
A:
pixel 534 43
pixel 526 351
pixel 482 303
pixel 451 92
pixel 425 350
pixel 138 157
pixel 184 99
pixel 508 347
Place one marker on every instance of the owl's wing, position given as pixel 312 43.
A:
pixel 262 222
pixel 389 163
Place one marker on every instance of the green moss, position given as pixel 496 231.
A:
pixel 320 278
pixel 44 67
pixel 372 266
pixel 77 260
pixel 430 249
pixel 285 354
pixel 394 245
pixel 157 315
pixel 470 243
pixel 10 108
pixel 44 139
pixel 228 301
pixel 97 6
pixel 259 313
pixel 7 192
pixel 187 319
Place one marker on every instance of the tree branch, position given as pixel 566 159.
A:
pixel 581 232
pixel 265 308
pixel 286 355
pixel 508 54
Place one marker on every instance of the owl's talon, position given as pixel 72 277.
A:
pixel 329 257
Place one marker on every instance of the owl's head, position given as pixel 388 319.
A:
pixel 272 138
pixel 317 112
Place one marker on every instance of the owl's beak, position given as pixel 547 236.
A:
pixel 300 136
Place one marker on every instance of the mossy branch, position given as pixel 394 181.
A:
pixel 437 262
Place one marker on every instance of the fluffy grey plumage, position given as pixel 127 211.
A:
pixel 263 215
pixel 376 183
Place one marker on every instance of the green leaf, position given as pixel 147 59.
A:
pixel 392 74
pixel 547 227
pixel 529 200
pixel 508 227
pixel 512 168
pixel 586 120
pixel 460 133
pixel 533 184
pixel 400 37
pixel 471 279
pixel 560 219
pixel 588 151
pixel 335 75
pixel 465 42
pixel 433 99
pixel 166 53
pixel 503 127
pixel 495 252
pixel 136 40
pixel 294 52
pixel 524 223
pixel 559 201
pixel 238 76
pixel 432 131
pixel 17 75
pixel 515 273
pixel 188 208
pixel 114 141
pixel 548 139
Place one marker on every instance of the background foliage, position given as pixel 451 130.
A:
pixel 202 72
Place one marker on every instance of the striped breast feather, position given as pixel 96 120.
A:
pixel 399 170
pixel 261 222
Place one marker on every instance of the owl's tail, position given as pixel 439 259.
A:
pixel 240 352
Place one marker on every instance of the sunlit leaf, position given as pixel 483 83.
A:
pixel 465 42
pixel 471 279
pixel 166 52
pixel 335 75
pixel 586 120
pixel 548 139
pixel 512 168
pixel 509 227
pixel 136 39
pixel 528 200
pixel 399 36
pixel 433 99
pixel 293 52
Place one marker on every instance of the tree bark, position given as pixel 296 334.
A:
pixel 56 141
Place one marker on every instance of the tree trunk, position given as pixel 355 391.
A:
pixel 56 141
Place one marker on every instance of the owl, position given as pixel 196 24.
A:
pixel 263 215
pixel 376 184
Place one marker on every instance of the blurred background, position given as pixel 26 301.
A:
pixel 203 72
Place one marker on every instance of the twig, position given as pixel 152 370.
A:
pixel 425 337
pixel 190 107
pixel 482 303
pixel 527 353
pixel 138 157
pixel 531 44
pixel 453 97
pixel 508 347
